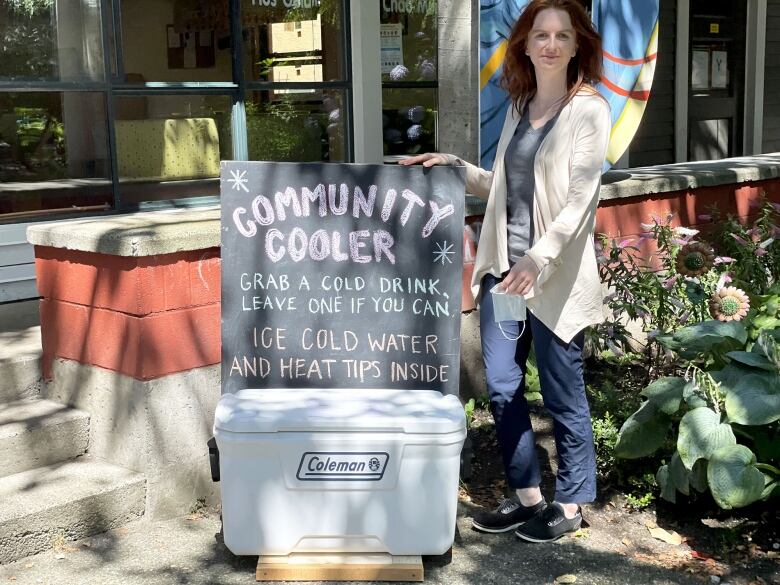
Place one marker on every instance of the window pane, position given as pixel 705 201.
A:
pixel 408 40
pixel 44 39
pixel 293 40
pixel 176 40
pixel 409 120
pixel 169 146
pixel 297 125
pixel 53 153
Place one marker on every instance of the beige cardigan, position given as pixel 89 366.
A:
pixel 567 170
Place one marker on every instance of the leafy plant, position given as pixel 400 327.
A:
pixel 659 296
pixel 469 410
pixel 730 388
pixel 755 247
pixel 642 492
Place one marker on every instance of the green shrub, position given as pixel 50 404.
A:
pixel 730 388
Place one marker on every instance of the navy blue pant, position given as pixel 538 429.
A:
pixel 563 389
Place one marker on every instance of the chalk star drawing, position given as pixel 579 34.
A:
pixel 443 252
pixel 239 180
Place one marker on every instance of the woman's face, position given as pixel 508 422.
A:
pixel 552 41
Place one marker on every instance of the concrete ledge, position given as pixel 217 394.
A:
pixel 617 184
pixel 137 234
pixel 692 175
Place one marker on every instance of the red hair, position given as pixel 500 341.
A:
pixel 585 68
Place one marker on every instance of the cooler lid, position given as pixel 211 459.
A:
pixel 284 409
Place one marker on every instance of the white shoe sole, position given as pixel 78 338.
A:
pixel 532 539
pixel 476 526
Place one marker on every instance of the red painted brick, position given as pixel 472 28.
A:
pixel 142 347
pixel 133 285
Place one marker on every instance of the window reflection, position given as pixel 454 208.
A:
pixel 408 47
pixel 53 40
pixel 287 126
pixel 169 146
pixel 409 121
pixel 53 153
pixel 176 40
pixel 408 32
pixel 293 40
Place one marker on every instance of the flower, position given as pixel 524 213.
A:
pixel 684 231
pixel 704 217
pixel 427 70
pixel 729 304
pixel 398 73
pixel 695 259
pixel 414 132
pixel 669 282
pixel 739 240
pixel 415 114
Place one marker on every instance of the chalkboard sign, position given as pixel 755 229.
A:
pixel 341 276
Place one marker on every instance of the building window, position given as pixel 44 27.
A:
pixel 53 153
pixel 44 40
pixel 146 119
pixel 295 60
pixel 409 45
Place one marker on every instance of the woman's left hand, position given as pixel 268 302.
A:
pixel 521 277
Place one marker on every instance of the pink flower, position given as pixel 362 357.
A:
pixel 704 217
pixel 739 240
pixel 760 252
pixel 646 236
pixel 723 260
pixel 776 206
pixel 669 282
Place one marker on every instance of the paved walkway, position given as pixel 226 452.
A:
pixel 190 550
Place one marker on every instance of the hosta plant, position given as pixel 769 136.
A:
pixel 725 410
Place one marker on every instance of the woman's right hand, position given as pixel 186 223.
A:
pixel 428 159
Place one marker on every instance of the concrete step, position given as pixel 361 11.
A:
pixel 20 363
pixel 35 432
pixel 68 501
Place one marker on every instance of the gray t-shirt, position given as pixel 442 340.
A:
pixel 519 170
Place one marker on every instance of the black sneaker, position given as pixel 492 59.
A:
pixel 509 515
pixel 550 525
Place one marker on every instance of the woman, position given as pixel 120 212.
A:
pixel 537 241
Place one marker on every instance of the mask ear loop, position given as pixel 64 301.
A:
pixel 519 335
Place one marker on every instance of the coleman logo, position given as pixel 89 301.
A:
pixel 342 466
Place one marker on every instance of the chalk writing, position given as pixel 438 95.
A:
pixel 332 276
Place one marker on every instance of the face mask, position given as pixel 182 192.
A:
pixel 507 307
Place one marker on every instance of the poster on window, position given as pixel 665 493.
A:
pixel 391 46
pixel 719 78
pixel 700 69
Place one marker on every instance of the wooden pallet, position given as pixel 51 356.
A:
pixel 339 567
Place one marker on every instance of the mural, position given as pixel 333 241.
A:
pixel 629 29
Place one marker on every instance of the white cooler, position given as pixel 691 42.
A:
pixel 339 470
